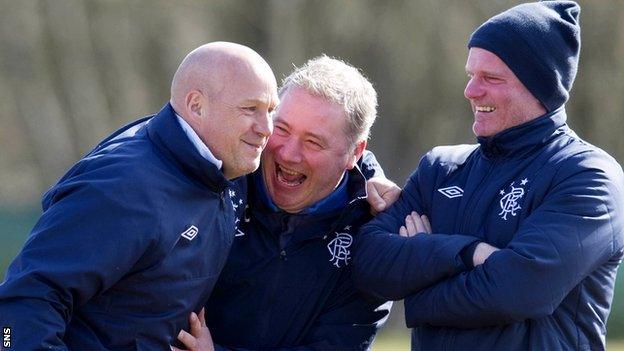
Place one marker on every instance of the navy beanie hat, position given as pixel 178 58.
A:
pixel 540 42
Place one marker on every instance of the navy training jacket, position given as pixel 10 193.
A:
pixel 295 294
pixel 553 203
pixel 131 240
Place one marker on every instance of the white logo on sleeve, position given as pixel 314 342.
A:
pixel 452 191
pixel 509 201
pixel 339 249
pixel 190 233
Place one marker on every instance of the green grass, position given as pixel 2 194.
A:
pixel 392 340
pixel 399 340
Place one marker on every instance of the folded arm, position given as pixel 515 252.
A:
pixel 577 228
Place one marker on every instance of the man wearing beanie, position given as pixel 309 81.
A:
pixel 551 203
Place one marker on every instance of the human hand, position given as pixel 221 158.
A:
pixel 414 224
pixel 482 252
pixel 382 193
pixel 200 338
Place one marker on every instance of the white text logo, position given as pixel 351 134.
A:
pixel 339 249
pixel 509 201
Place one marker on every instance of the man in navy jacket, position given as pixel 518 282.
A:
pixel 551 202
pixel 133 237
pixel 287 283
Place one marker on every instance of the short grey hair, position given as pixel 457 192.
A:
pixel 341 83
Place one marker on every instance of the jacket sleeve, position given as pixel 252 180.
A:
pixel 389 266
pixel 349 322
pixel 80 246
pixel 577 228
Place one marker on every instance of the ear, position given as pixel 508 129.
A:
pixel 194 105
pixel 360 146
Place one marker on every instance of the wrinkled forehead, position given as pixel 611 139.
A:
pixel 309 113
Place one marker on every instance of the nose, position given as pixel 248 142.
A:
pixel 264 124
pixel 290 150
pixel 473 89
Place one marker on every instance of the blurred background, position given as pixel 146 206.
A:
pixel 73 71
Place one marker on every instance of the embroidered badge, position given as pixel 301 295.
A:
pixel 190 233
pixel 237 232
pixel 509 201
pixel 452 191
pixel 236 203
pixel 339 249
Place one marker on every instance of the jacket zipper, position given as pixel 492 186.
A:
pixel 476 195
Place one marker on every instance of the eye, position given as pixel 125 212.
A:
pixel 280 130
pixel 249 109
pixel 493 80
pixel 315 145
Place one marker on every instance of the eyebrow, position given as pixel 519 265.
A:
pixel 314 135
pixel 259 102
pixel 487 72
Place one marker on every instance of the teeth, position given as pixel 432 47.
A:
pixel 289 172
pixel 289 177
pixel 485 108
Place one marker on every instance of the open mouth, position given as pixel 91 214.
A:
pixel 486 109
pixel 289 177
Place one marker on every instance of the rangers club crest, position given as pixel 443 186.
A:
pixel 509 201
pixel 339 249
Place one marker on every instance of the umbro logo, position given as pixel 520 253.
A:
pixel 190 233
pixel 452 191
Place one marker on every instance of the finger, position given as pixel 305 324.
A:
pixel 187 339
pixel 202 317
pixel 427 224
pixel 420 227
pixel 403 231
pixel 391 194
pixel 195 325
pixel 410 225
pixel 376 202
pixel 173 348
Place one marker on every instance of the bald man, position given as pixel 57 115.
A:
pixel 133 237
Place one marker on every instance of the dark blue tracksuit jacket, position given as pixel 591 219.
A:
pixel 553 204
pixel 287 282
pixel 107 266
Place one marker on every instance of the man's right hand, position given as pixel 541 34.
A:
pixel 199 339
pixel 482 252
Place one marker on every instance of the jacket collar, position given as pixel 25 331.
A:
pixel 307 225
pixel 351 188
pixel 520 140
pixel 165 131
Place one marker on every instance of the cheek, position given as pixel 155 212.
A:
pixel 328 167
pixel 270 148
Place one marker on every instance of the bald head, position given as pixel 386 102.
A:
pixel 226 93
pixel 211 66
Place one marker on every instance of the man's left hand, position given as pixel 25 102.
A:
pixel 382 193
